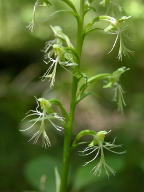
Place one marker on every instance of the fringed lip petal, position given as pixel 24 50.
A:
pixel 98 145
pixel 38 117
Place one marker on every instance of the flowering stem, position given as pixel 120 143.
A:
pixel 75 81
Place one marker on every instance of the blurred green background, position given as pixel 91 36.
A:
pixel 24 166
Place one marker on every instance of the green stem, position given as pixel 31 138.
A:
pixel 69 126
pixel 67 139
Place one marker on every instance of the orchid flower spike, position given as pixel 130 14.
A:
pixel 97 147
pixel 37 122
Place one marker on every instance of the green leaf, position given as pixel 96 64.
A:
pixel 44 165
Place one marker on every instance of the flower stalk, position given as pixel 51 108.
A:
pixel 68 129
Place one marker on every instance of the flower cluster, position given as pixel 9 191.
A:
pixel 37 119
pixel 97 147
pixel 58 52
